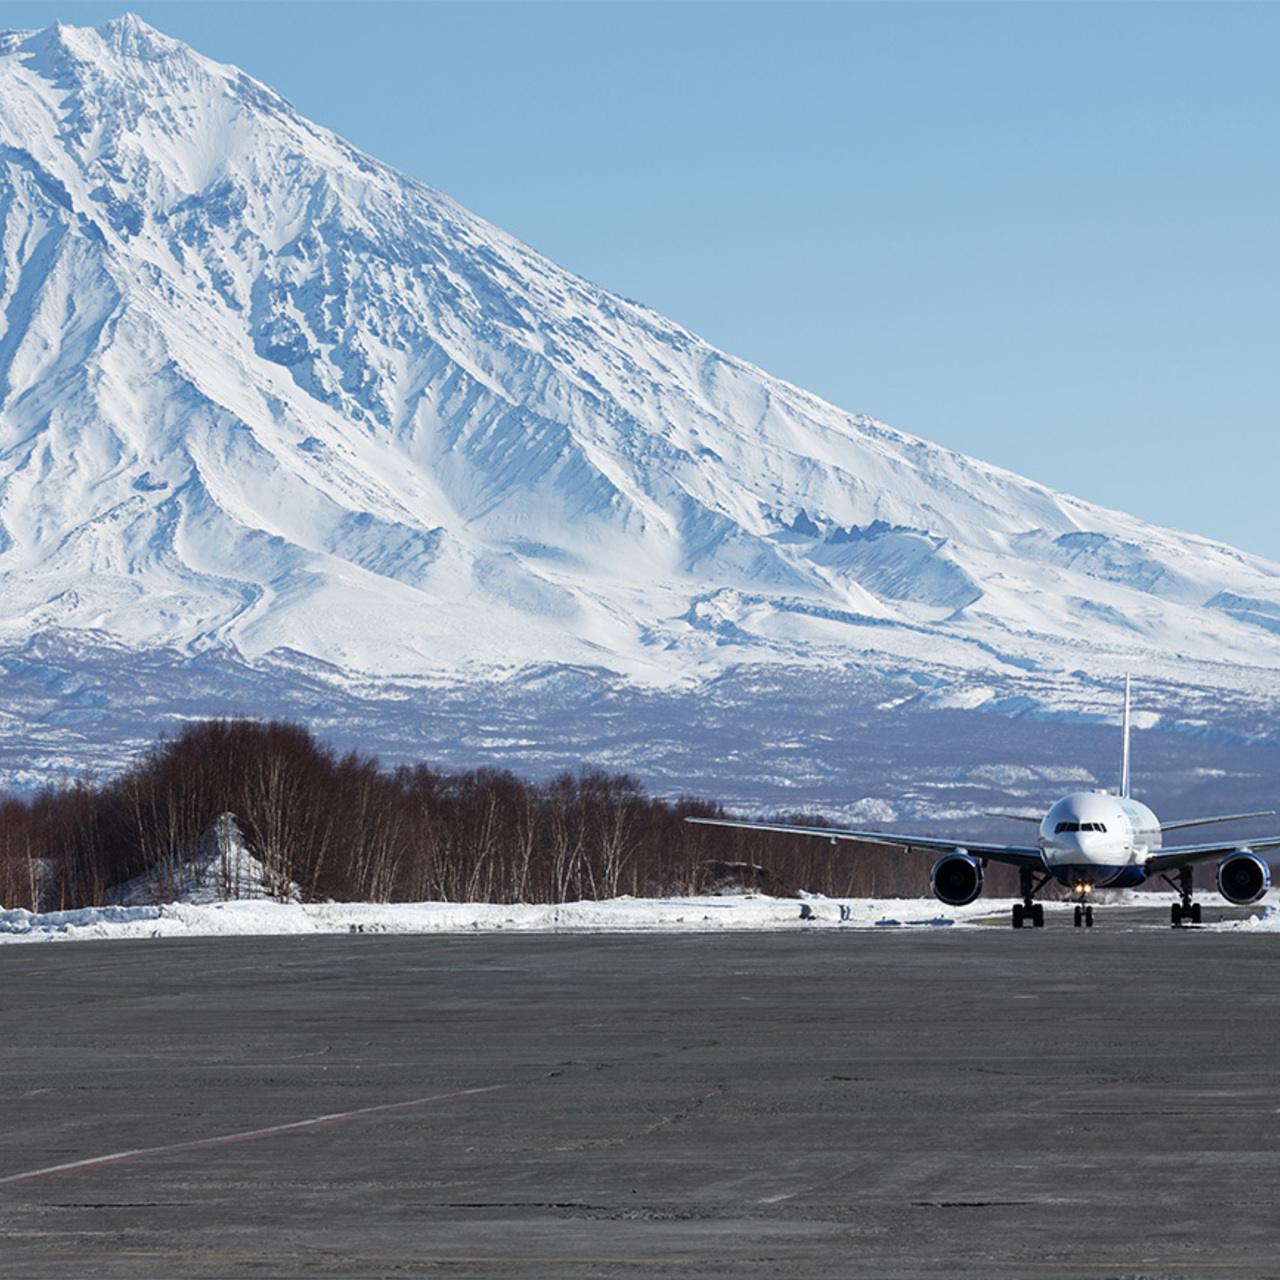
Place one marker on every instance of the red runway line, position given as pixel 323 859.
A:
pixel 120 1157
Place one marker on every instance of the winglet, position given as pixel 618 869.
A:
pixel 1124 753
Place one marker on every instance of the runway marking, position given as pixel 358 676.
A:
pixel 337 1117
pixel 1140 1263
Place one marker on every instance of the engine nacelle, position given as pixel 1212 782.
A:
pixel 956 879
pixel 1243 878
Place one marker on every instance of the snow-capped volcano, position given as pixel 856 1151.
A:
pixel 260 392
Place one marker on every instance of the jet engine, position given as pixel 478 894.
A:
pixel 1243 878
pixel 957 879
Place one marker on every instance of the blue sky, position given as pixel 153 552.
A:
pixel 1041 233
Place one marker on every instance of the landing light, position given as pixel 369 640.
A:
pixel 1082 890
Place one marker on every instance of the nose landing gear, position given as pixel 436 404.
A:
pixel 1083 915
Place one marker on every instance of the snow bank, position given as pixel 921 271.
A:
pixel 618 915
pixel 221 870
pixel 1267 922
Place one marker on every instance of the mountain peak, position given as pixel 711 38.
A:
pixel 259 391
pixel 125 37
pixel 130 27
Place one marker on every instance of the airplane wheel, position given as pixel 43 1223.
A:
pixel 1088 917
pixel 1079 916
pixel 1195 913
pixel 1175 914
pixel 1017 915
pixel 1037 915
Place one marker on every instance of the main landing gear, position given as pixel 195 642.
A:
pixel 1027 911
pixel 1185 911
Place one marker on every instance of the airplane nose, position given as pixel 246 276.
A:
pixel 1088 846
pixel 1082 845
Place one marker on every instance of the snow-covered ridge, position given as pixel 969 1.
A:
pixel 260 392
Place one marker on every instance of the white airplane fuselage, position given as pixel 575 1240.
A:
pixel 1092 838
pixel 1089 840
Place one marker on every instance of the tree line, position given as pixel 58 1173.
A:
pixel 329 827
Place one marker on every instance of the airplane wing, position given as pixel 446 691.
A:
pixel 1184 855
pixel 1016 855
pixel 1204 822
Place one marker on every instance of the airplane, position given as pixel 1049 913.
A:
pixel 1089 840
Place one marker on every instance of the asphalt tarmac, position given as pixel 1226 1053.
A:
pixel 893 1102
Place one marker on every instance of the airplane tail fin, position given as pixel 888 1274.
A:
pixel 1124 752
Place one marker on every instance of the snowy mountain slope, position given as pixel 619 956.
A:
pixel 261 393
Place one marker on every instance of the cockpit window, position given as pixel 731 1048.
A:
pixel 1079 826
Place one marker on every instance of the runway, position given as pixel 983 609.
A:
pixel 891 1102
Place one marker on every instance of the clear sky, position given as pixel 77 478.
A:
pixel 1045 234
